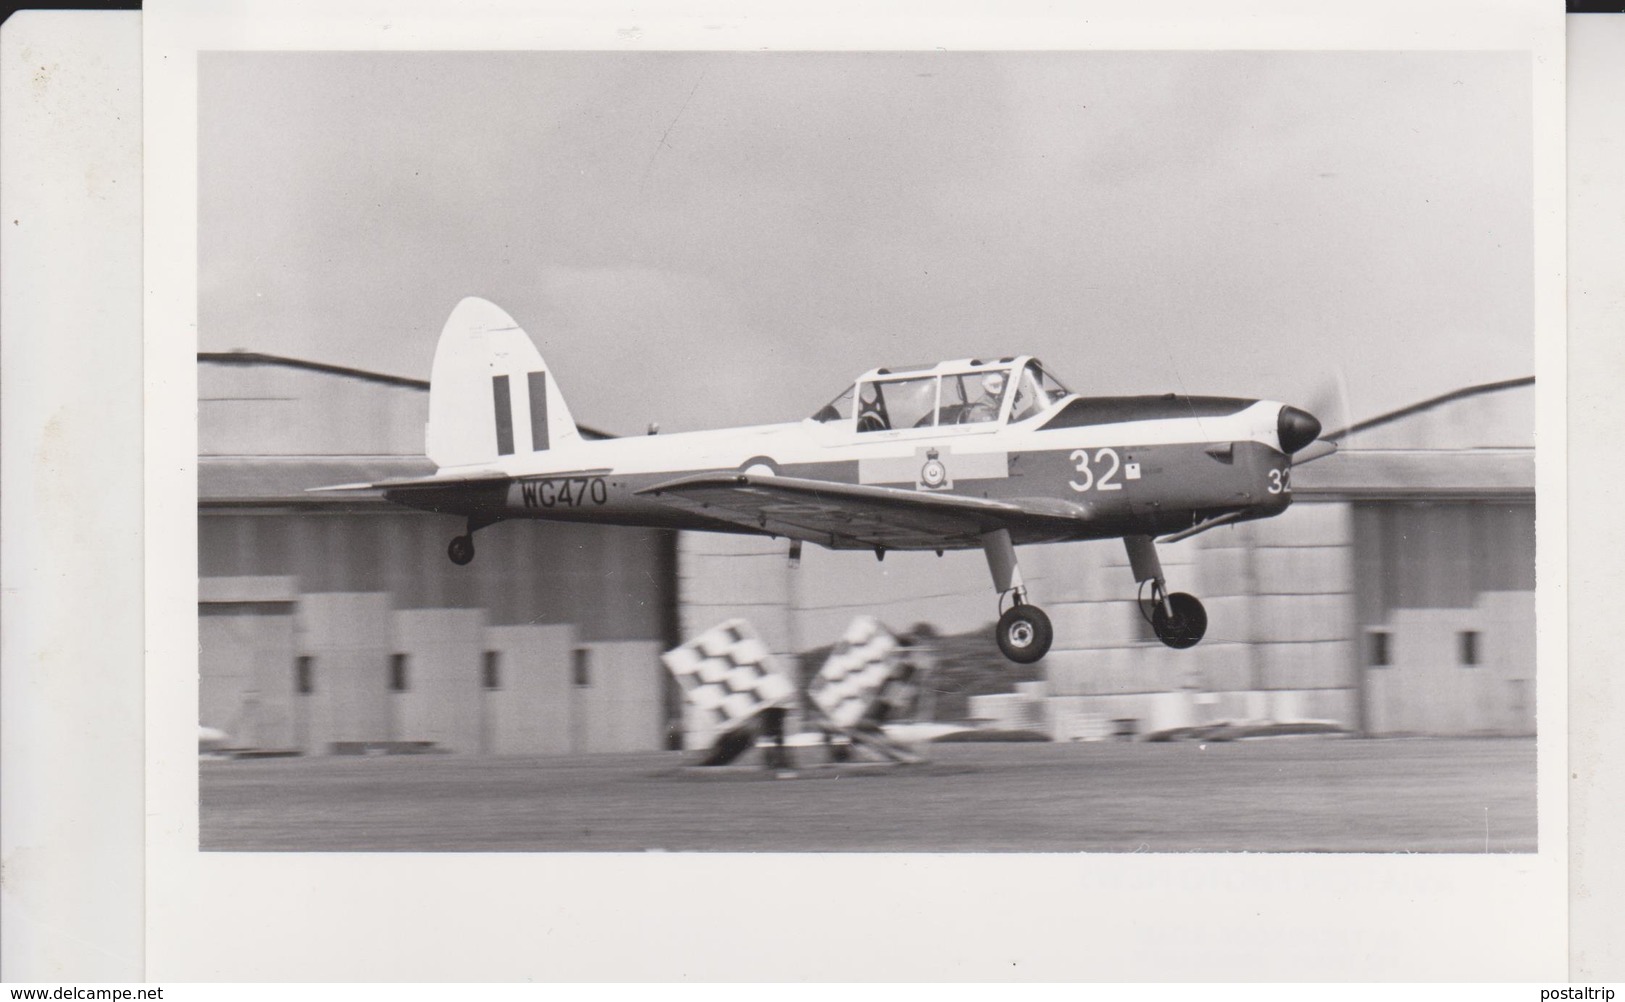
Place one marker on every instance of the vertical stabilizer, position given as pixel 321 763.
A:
pixel 490 394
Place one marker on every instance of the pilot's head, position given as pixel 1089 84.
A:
pixel 993 384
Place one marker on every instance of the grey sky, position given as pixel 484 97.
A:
pixel 713 239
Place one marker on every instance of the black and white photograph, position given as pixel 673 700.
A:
pixel 655 469
pixel 1134 449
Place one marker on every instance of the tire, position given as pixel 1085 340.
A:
pixel 1024 634
pixel 461 550
pixel 1187 626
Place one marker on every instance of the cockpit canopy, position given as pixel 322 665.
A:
pixel 966 392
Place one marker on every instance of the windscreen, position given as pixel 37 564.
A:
pixel 1036 391
pixel 898 403
pixel 839 409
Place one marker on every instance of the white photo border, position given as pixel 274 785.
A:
pixel 428 917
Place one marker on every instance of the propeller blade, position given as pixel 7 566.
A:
pixel 1330 403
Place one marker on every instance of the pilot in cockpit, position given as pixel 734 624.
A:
pixel 986 407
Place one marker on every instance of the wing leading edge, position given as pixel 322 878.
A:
pixel 852 516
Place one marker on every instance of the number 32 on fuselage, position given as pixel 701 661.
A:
pixel 971 453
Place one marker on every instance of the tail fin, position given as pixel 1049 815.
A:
pixel 490 396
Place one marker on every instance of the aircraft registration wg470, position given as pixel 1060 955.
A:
pixel 967 454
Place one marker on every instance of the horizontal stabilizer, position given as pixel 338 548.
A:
pixel 454 480
pixel 341 487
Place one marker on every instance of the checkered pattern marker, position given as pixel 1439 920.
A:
pixel 728 676
pixel 857 669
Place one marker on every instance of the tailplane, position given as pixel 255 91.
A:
pixel 490 395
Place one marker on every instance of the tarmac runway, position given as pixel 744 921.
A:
pixel 1260 795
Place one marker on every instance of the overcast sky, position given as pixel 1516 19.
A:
pixel 715 239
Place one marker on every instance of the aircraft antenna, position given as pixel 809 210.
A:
pixel 1180 378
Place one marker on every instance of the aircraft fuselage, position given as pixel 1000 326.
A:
pixel 1113 466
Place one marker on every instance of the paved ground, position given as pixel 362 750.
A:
pixel 1276 795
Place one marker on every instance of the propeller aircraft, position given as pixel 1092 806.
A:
pixel 985 454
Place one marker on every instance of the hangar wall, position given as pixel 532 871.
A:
pixel 1445 603
pixel 337 622
pixel 527 572
pixel 286 664
pixel 345 670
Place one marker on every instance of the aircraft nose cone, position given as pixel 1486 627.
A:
pixel 1296 429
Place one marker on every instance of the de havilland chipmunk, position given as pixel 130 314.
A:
pixel 985 454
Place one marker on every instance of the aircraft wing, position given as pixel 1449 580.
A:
pixel 852 516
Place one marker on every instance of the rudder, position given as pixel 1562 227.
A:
pixel 490 394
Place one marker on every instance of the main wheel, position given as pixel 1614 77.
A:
pixel 1024 634
pixel 1185 627
pixel 461 550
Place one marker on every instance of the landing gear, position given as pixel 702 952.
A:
pixel 461 550
pixel 1024 633
pixel 1177 619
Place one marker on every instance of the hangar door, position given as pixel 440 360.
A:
pixel 245 672
pixel 1445 602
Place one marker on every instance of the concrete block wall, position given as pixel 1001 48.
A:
pixel 529 712
pixel 1426 689
pixel 1087 718
pixel 1282 641
pixel 1278 646
pixel 1280 615
pixel 246 685
pixel 804 608
pixel 1150 711
pixel 442 703
pixel 1117 671
pixel 348 638
pixel 621 702
pixel 1010 711
pixel 1276 593
pixel 249 680
pixel 1340 706
pixel 1075 718
pixel 1083 572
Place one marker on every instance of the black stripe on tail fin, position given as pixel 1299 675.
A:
pixel 502 400
pixel 538 411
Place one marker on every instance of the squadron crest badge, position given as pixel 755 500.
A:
pixel 933 475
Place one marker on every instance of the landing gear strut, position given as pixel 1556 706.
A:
pixel 1024 633
pixel 1177 619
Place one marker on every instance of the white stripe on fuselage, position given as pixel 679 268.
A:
pixel 813 442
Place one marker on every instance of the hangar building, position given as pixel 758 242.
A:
pixel 330 623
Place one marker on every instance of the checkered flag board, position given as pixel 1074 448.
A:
pixel 728 675
pixel 857 669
